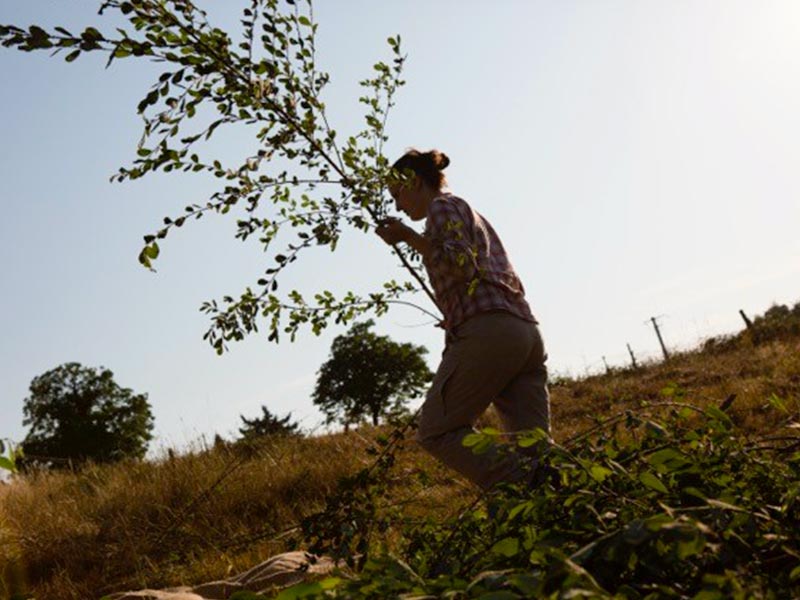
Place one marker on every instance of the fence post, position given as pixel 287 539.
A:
pixel 660 339
pixel 633 358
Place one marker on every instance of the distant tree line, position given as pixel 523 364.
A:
pixel 79 414
pixel 778 322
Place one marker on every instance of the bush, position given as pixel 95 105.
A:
pixel 671 501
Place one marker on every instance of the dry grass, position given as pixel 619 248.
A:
pixel 184 520
pixel 205 515
pixel 751 373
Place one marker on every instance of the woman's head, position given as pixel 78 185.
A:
pixel 422 180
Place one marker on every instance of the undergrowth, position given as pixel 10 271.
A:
pixel 670 501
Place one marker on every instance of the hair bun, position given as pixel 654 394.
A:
pixel 428 165
pixel 440 159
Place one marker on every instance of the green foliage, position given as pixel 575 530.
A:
pixel 78 413
pixel 308 590
pixel 12 455
pixel 779 322
pixel 668 502
pixel 369 376
pixel 301 182
pixel 352 517
pixel 267 424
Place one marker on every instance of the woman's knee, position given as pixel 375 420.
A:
pixel 428 442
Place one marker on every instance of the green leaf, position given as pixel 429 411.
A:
pixel 709 595
pixel 668 459
pixel 507 547
pixel 519 508
pixel 472 439
pixel 665 455
pixel 599 473
pixel 143 259
pixel 795 574
pixel 473 285
pixel 669 391
pixel 152 251
pixel 92 34
pixel 650 480
pixel 693 491
pixel 691 546
pixel 719 415
pixel 72 55
pixel 7 464
pixel 479 442
pixel 657 522
pixel 304 20
pixel 527 439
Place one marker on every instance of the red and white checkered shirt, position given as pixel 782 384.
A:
pixel 468 267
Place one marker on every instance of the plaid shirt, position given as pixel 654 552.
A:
pixel 468 267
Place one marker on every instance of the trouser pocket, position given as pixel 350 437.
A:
pixel 434 409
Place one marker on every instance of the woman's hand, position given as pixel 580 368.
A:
pixel 393 231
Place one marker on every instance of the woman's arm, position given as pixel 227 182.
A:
pixel 394 231
pixel 446 246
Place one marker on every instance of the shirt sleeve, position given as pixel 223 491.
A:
pixel 451 238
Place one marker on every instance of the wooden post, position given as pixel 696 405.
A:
pixel 748 323
pixel 660 339
pixel 608 369
pixel 633 358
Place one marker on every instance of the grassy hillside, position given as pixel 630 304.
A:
pixel 202 516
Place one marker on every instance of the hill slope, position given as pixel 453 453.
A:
pixel 202 516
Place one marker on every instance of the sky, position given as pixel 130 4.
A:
pixel 638 158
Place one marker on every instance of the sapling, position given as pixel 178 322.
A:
pixel 301 181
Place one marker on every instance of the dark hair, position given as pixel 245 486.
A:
pixel 428 165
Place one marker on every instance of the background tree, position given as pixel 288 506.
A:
pixel 301 180
pixel 267 424
pixel 78 413
pixel 369 376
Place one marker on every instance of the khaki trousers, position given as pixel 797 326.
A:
pixel 490 358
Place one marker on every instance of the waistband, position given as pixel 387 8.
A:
pixel 452 335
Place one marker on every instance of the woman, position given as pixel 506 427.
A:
pixel 494 352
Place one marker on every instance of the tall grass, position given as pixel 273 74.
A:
pixel 180 520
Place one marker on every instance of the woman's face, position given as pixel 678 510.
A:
pixel 407 198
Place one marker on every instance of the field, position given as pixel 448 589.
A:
pixel 697 457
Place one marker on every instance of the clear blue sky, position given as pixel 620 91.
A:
pixel 637 157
